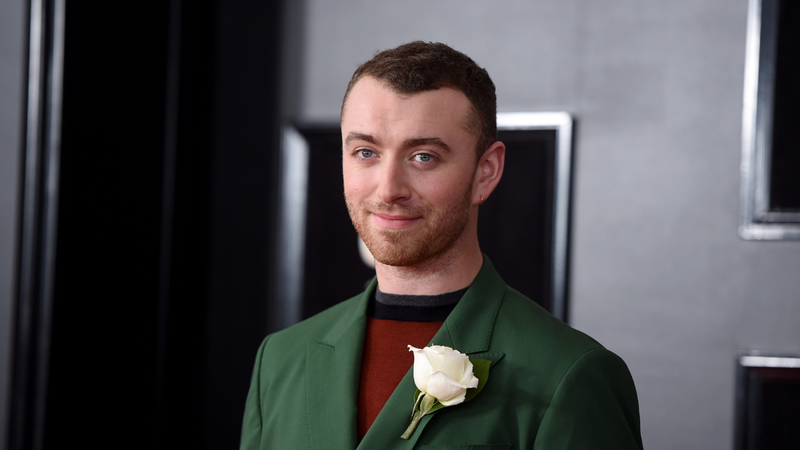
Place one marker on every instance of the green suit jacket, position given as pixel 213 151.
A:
pixel 550 386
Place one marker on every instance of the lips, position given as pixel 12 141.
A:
pixel 394 221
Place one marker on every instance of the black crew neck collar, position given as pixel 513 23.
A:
pixel 414 308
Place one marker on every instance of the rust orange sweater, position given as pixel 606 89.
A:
pixel 385 362
pixel 394 323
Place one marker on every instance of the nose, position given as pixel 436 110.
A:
pixel 393 184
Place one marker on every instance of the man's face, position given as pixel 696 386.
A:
pixel 408 165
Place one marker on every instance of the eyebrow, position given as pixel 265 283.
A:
pixel 355 136
pixel 434 141
pixel 415 142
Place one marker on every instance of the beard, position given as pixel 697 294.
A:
pixel 439 232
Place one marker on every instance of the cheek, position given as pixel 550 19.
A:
pixel 446 190
pixel 354 185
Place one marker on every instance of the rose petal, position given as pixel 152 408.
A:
pixel 455 400
pixel 473 382
pixel 448 361
pixel 445 389
pixel 469 379
pixel 422 368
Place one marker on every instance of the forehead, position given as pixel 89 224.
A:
pixel 373 108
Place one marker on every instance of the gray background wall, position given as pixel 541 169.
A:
pixel 659 274
pixel 12 47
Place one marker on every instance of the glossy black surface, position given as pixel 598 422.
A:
pixel 166 205
pixel 767 408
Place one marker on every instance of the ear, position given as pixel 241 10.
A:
pixel 489 172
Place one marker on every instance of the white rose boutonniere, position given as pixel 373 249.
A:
pixel 444 377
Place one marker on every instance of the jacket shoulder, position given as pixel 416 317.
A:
pixel 318 327
pixel 531 333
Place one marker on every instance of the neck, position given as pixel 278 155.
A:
pixel 453 270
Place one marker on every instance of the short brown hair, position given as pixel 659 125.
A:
pixel 426 66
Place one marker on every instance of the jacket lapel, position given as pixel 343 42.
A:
pixel 333 370
pixel 468 329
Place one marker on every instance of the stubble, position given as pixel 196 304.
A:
pixel 437 234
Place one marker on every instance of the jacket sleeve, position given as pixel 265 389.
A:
pixel 594 407
pixel 251 425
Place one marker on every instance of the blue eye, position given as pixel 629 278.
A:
pixel 366 153
pixel 424 157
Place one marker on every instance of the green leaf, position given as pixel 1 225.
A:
pixel 480 368
pixel 436 407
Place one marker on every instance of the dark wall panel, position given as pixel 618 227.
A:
pixel 243 204
pixel 165 224
pixel 105 304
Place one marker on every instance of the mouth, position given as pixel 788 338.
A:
pixel 394 221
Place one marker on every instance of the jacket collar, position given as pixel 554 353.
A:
pixel 334 363
pixel 333 368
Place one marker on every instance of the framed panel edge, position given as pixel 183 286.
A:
pixel 757 222
pixel 562 123
pixel 292 226
pixel 745 361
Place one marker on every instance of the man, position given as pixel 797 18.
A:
pixel 419 156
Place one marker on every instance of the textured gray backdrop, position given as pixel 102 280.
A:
pixel 659 274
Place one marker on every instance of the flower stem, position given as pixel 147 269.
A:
pixel 413 426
